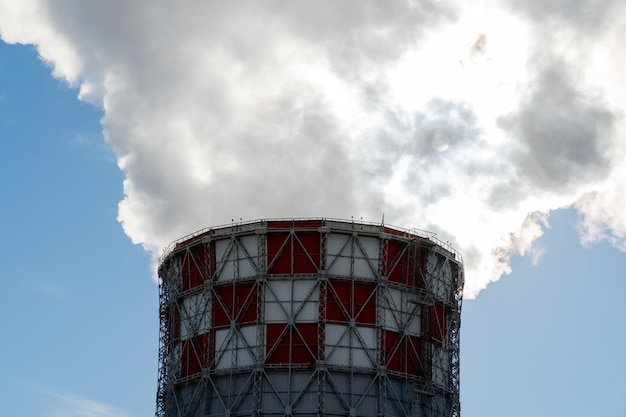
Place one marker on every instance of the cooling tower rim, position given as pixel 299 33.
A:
pixel 239 225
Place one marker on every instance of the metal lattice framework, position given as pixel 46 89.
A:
pixel 309 317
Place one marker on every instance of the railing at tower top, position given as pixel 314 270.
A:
pixel 242 226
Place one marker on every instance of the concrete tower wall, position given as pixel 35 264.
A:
pixel 309 317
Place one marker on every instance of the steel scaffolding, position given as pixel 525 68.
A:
pixel 309 317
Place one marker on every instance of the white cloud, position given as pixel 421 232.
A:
pixel 474 122
pixel 63 404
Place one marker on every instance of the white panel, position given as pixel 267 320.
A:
pixel 276 312
pixel 342 342
pixel 228 269
pixel 393 303
pixel 406 311
pixel 245 356
pixel 220 338
pixel 222 351
pixel 335 354
pixel 439 279
pixel 341 252
pixel 371 246
pixel 339 356
pixel 446 273
pixel 302 288
pixel 441 366
pixel 277 309
pixel 284 298
pixel 396 298
pixel 368 334
pixel 235 348
pixel 195 315
pixel 340 266
pixel 335 242
pixel 247 268
pixel 361 359
pixel 310 310
pixel 334 333
pixel 309 313
pixel 414 326
pixel 337 261
pixel 361 349
pixel 247 337
pixel 242 255
pixel 362 267
pixel 225 360
pixel 279 290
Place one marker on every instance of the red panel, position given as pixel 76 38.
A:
pixel 237 301
pixel 307 252
pixel 305 343
pixel 194 239
pixel 195 354
pixel 339 304
pixel 277 343
pixel 403 354
pixel 289 253
pixel 365 303
pixel 279 253
pixel 413 355
pixel 421 274
pixel 438 327
pixel 292 344
pixel 338 311
pixel 198 265
pixel 391 353
pixel 397 263
pixel 294 224
pixel 173 323
pixel 348 300
pixel 395 232
pixel 400 268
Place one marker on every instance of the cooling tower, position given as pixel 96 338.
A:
pixel 309 317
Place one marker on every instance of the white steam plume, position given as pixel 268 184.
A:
pixel 472 122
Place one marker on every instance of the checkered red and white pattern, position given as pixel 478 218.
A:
pixel 295 294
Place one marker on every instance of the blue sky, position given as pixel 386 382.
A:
pixel 79 307
pixel 548 339
pixel 77 297
pixel 78 302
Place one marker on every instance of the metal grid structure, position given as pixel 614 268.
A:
pixel 309 317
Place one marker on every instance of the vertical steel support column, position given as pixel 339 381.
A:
pixel 427 345
pixel 162 390
pixel 170 278
pixel 455 326
pixel 261 282
pixel 207 312
pixel 234 330
pixel 381 288
pixel 322 279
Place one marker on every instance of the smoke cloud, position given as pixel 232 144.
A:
pixel 474 122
